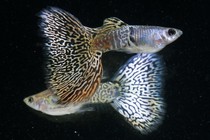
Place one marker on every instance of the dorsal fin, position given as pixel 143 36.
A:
pixel 112 23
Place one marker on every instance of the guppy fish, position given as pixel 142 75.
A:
pixel 73 51
pixel 135 92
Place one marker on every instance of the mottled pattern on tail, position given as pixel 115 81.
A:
pixel 141 102
pixel 106 93
pixel 73 69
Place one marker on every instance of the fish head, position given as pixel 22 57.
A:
pixel 36 103
pixel 151 39
pixel 41 101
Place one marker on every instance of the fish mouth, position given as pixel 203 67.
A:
pixel 25 101
pixel 179 32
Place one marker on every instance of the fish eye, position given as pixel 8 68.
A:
pixel 171 32
pixel 30 99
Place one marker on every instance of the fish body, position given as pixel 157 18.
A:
pixel 135 92
pixel 136 39
pixel 47 102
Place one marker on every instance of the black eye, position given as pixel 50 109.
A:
pixel 171 32
pixel 30 99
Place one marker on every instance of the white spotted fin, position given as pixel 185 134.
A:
pixel 141 101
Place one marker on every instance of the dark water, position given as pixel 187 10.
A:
pixel 187 86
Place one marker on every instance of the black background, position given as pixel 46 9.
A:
pixel 187 86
